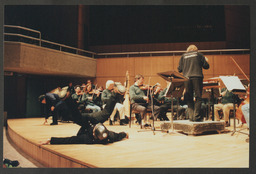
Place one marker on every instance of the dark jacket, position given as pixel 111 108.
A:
pixel 136 94
pixel 51 100
pixel 87 139
pixel 191 64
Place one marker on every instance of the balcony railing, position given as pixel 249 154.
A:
pixel 37 40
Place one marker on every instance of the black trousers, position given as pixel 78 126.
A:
pixel 194 87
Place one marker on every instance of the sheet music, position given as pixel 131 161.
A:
pixel 232 82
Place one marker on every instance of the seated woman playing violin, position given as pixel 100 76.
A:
pixel 140 101
pixel 89 96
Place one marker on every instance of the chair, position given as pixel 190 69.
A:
pixel 136 112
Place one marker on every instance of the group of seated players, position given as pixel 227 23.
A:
pixel 90 106
pixel 92 98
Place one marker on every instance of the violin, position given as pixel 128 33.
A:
pixel 145 87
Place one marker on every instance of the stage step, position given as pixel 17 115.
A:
pixel 197 128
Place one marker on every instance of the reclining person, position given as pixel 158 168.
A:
pixel 92 130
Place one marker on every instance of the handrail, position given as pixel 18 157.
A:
pixel 106 54
pixel 16 26
pixel 28 29
pixel 169 52
pixel 45 41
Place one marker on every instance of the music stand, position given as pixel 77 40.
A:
pixel 211 94
pixel 175 88
pixel 153 115
pixel 234 85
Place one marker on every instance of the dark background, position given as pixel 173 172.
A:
pixel 107 25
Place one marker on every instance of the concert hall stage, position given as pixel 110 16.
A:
pixel 142 149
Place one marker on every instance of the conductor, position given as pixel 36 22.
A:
pixel 191 64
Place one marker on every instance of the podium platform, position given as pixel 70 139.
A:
pixel 197 128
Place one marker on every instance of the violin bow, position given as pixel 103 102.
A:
pixel 240 68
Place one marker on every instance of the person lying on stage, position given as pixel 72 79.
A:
pixel 93 134
pixel 92 130
pixel 106 94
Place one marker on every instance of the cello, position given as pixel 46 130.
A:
pixel 239 113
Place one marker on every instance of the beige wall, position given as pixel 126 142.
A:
pixel 115 68
pixel 32 59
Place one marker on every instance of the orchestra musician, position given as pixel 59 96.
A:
pixel 140 101
pixel 89 97
pixel 165 104
pixel 78 97
pixel 106 94
pixel 191 64
pixel 162 102
pixel 226 105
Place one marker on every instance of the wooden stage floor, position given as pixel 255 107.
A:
pixel 141 150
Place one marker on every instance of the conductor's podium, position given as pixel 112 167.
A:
pixel 197 128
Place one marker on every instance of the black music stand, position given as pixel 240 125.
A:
pixel 175 88
pixel 211 94
pixel 234 84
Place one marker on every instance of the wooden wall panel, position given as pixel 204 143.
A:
pixel 223 65
pixel 115 68
pixel 210 71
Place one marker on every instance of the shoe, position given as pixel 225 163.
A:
pixel 54 124
pixel 227 124
pixel 126 120
pixel 199 120
pixel 165 118
pixel 110 122
pixel 147 125
pixel 122 122
pixel 138 118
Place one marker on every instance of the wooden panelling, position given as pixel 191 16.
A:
pixel 46 157
pixel 115 68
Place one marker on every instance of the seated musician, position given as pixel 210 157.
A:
pixel 78 97
pixel 162 102
pixel 246 112
pixel 140 101
pixel 166 103
pixel 226 105
pixel 89 96
pixel 98 94
pixel 89 83
pixel 106 94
